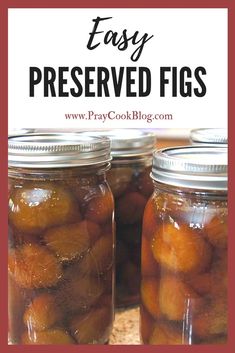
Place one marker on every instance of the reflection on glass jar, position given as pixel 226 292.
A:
pixel 184 249
pixel 61 241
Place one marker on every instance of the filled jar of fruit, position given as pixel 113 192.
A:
pixel 61 240
pixel 209 136
pixel 130 182
pixel 184 248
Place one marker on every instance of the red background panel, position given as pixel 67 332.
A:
pixel 4 5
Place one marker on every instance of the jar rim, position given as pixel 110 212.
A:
pixel 199 167
pixel 22 131
pixel 209 135
pixel 57 150
pixel 129 142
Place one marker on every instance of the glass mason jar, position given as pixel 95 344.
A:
pixel 184 248
pixel 61 240
pixel 209 136
pixel 131 185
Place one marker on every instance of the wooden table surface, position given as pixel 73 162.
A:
pixel 126 327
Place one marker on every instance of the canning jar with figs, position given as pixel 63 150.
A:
pixel 184 249
pixel 130 182
pixel 61 240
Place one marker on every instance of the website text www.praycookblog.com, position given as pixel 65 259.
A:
pixel 132 115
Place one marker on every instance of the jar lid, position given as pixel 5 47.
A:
pixel 57 150
pixel 17 132
pixel 216 136
pixel 129 142
pixel 199 167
